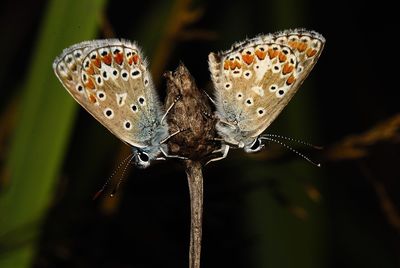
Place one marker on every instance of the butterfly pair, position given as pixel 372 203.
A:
pixel 253 81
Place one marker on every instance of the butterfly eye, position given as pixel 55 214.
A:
pixel 144 157
pixel 142 160
pixel 254 147
pixel 256 144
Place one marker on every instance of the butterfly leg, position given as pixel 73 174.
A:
pixel 224 150
pixel 170 107
pixel 172 156
pixel 165 140
pixel 171 135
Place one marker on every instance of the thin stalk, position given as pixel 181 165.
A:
pixel 195 181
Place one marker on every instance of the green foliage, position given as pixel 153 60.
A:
pixel 43 127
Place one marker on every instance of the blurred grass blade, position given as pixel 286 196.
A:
pixel 43 127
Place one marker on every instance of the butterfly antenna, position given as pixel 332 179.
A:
pixel 130 156
pixel 114 191
pixel 291 149
pixel 294 140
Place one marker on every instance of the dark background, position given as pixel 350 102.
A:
pixel 272 209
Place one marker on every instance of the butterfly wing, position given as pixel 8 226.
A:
pixel 110 79
pixel 255 79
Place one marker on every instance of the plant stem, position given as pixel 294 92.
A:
pixel 195 181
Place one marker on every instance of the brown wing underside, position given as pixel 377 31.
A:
pixel 109 78
pixel 257 78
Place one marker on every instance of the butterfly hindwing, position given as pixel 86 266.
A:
pixel 110 79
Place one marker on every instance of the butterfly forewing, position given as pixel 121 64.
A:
pixel 256 78
pixel 111 81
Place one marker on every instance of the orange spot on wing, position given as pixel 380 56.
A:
pixel 248 59
pixel 260 54
pixel 135 58
pixel 237 64
pixel 226 65
pixel 234 64
pixel 119 58
pixel 92 98
pixel 272 53
pixel 97 62
pixel 287 69
pixel 290 80
pixel 90 70
pixel 302 47
pixel 311 52
pixel 293 44
pixel 90 84
pixel 107 59
pixel 282 57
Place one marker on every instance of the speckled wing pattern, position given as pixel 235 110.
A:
pixel 110 79
pixel 255 79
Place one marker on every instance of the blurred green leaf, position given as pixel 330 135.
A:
pixel 43 127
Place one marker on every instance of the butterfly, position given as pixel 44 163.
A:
pixel 110 79
pixel 255 80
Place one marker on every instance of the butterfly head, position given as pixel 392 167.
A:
pixel 142 159
pixel 232 135
pixel 256 146
pixel 144 156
